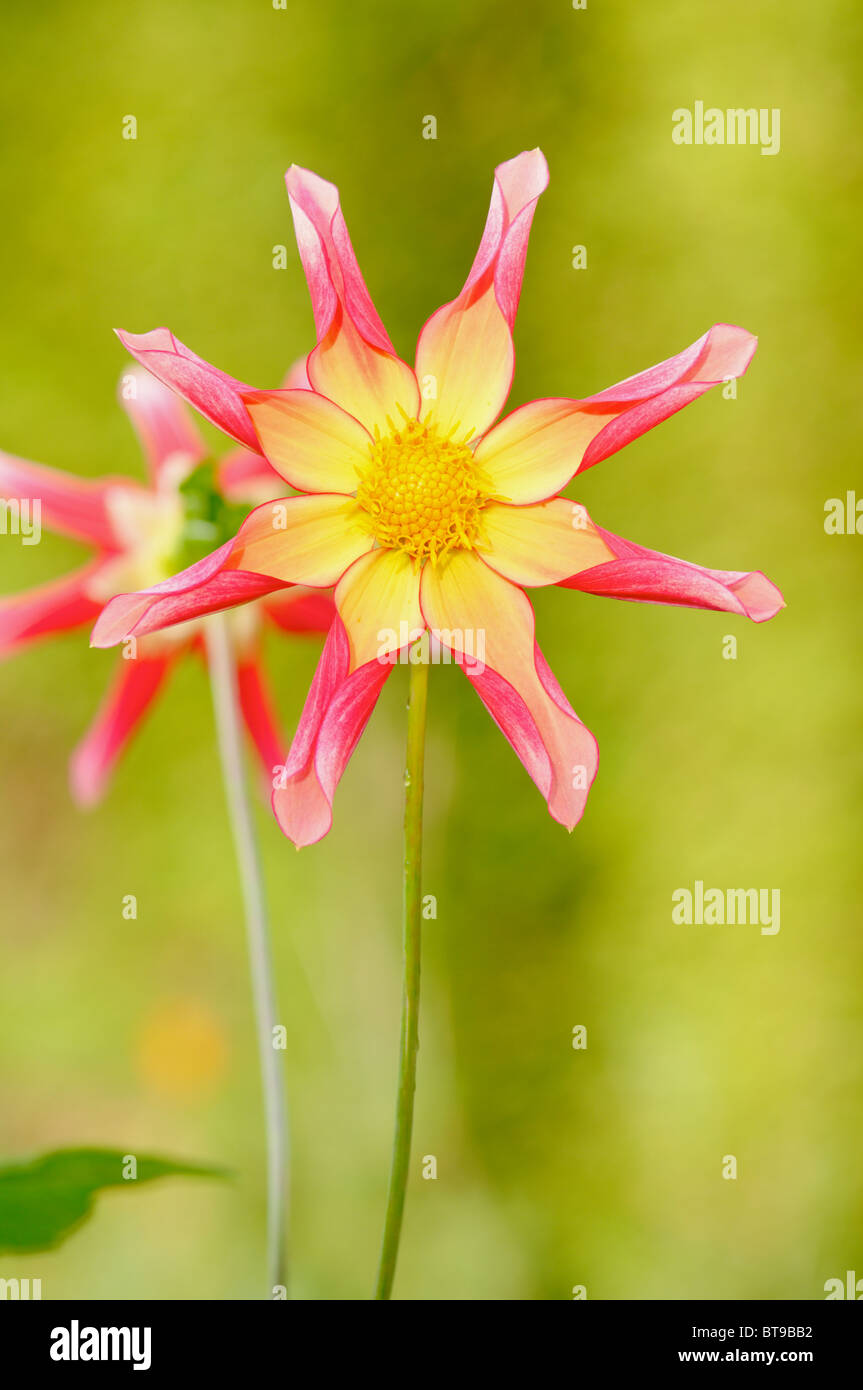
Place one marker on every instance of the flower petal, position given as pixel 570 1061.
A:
pixel 337 710
pixel 302 540
pixel 64 603
pixel 354 363
pixel 77 507
pixel 378 600
pixel 205 587
pixel 541 544
pixel 162 423
pixel 648 576
pixel 475 612
pixel 297 609
pixel 465 356
pixel 212 392
pixel 247 477
pixel 533 452
pixel 315 445
pixel 297 377
pixel 312 539
pixel 136 684
pixel 258 710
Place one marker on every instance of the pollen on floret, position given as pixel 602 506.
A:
pixel 422 491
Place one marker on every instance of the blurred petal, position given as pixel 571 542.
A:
pixel 297 609
pixel 314 444
pixel 378 600
pixel 465 356
pixel 77 507
pixel 135 686
pixel 161 421
pixel 541 544
pixel 259 715
pixel 205 587
pixel 336 712
pixel 64 603
pixel 648 576
pixel 215 394
pixel 247 477
pixel 533 453
pixel 302 540
pixel 354 363
pixel 473 611
pixel 297 377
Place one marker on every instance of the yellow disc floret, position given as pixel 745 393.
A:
pixel 422 491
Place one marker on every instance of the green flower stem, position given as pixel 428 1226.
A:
pixel 414 767
pixel 223 681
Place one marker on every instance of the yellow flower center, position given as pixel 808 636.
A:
pixel 422 492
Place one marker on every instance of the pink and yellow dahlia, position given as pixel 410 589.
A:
pixel 141 533
pixel 424 510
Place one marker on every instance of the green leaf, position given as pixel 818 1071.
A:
pixel 43 1199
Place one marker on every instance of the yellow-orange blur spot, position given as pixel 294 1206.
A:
pixel 181 1048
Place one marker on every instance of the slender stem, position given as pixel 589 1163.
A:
pixel 417 702
pixel 223 681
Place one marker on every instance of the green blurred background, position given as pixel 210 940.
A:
pixel 555 1167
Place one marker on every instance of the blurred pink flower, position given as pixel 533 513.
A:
pixel 140 532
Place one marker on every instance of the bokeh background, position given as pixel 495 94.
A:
pixel 556 1167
